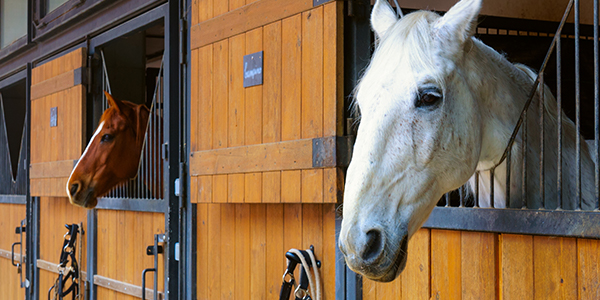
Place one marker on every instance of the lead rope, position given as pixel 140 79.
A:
pixel 301 292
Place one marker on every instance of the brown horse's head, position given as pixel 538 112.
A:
pixel 113 154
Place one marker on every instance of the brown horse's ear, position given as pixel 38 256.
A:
pixel 112 102
pixel 142 115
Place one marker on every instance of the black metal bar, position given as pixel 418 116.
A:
pixel 536 83
pixel 144 282
pixel 559 114
pixel 477 189
pixel 541 112
pixel 141 205
pixel 518 221
pixel 492 187
pixel 596 105
pixel 524 148
pixel 447 198
pixel 577 108
pixel 30 241
pixel 508 162
pixel 172 92
pixel 13 199
pixel 92 241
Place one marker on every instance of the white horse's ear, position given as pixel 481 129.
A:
pixel 382 17
pixel 460 22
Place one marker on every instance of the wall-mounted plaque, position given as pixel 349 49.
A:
pixel 53 116
pixel 253 69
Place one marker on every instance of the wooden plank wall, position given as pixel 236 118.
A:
pixel 301 98
pixel 11 217
pixel 121 251
pixel 446 264
pixel 241 247
pixel 55 212
pixel 55 84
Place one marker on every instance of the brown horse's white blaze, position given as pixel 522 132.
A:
pixel 113 154
pixel 436 105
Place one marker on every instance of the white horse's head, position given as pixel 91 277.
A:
pixel 419 135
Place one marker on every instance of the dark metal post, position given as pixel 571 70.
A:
pixel 559 113
pixel 541 112
pixel 171 106
pixel 30 242
pixel 596 105
pixel 524 155
pixel 92 241
pixel 577 107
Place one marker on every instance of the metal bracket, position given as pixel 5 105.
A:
pixel 154 250
pixel 332 151
pixel 20 230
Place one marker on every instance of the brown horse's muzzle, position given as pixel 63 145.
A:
pixel 81 193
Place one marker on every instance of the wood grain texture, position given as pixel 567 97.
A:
pixel 478 265
pixel 446 264
pixel 290 155
pixel 588 268
pixel 516 267
pixel 257 14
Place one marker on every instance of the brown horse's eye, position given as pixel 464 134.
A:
pixel 428 97
pixel 107 138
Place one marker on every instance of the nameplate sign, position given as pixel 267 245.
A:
pixel 253 69
pixel 53 116
pixel 319 2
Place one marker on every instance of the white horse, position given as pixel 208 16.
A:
pixel 436 105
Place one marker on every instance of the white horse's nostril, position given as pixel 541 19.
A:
pixel 373 247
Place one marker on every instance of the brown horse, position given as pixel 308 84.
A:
pixel 113 154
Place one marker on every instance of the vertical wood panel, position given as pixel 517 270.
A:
pixel 203 127
pixel 202 258
pixel 445 264
pixel 205 9
pixel 220 7
pixel 416 275
pixel 291 101
pixel 555 268
pixel 478 265
pixel 227 256
pixel 588 268
pixel 516 266
pixel 242 250
pixel 333 70
pixel 312 73
pixel 214 250
pixel 257 250
pixel 275 263
pixel 237 50
pixel 220 189
pixel 253 118
pixel 220 96
pixel 205 189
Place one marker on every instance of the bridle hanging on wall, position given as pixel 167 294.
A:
pixel 72 271
pixel 307 260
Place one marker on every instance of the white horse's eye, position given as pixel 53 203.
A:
pixel 428 97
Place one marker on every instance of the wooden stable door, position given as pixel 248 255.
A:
pixel 264 175
pixel 58 111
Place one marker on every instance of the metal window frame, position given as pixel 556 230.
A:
pixel 22 75
pixel 46 21
pixel 91 25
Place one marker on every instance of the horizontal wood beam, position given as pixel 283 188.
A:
pixel 245 18
pixel 123 287
pixel 7 254
pixel 52 267
pixel 58 83
pixel 52 169
pixel 302 154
